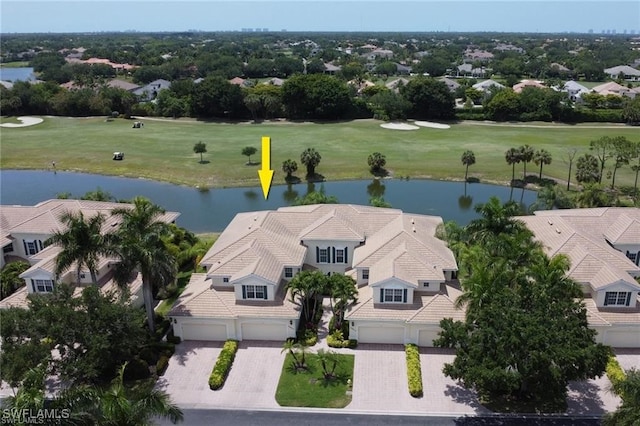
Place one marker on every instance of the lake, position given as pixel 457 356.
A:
pixel 15 74
pixel 212 210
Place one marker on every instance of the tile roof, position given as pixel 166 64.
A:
pixel 201 299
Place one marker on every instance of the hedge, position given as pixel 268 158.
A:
pixel 223 364
pixel 161 365
pixel 414 371
pixel 615 373
pixel 336 340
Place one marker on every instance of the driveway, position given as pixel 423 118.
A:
pixel 252 381
pixel 380 383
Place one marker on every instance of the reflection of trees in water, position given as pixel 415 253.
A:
pixel 311 187
pixel 465 202
pixel 376 189
pixel 290 194
pixel 250 194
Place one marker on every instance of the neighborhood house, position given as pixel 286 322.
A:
pixel 24 230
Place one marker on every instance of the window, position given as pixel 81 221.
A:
pixel 7 249
pixel 632 256
pixel 365 274
pixel 323 256
pixel 32 248
pixel 225 279
pixel 395 295
pixel 82 275
pixel 254 291
pixel 339 255
pixel 43 285
pixel 425 284
pixel 288 272
pixel 617 298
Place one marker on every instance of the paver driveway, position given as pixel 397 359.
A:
pixel 252 381
pixel 380 383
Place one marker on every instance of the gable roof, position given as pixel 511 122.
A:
pixel 624 69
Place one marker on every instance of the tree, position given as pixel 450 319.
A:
pixel 603 148
pixel 571 154
pixel 200 148
pixel 376 162
pixel 468 159
pixel 216 97
pixel 310 158
pixel 504 105
pixel 513 157
pixel 594 195
pixel 430 98
pixel 587 170
pixel 387 105
pixel 253 103
pixel 329 360
pixel 623 152
pixel 526 155
pixel 315 197
pixel 289 166
pixel 140 248
pixel 249 151
pixel 81 242
pixel 631 110
pixel 297 352
pixel 10 279
pixel 525 334
pixel 379 202
pixel 636 167
pixel 627 413
pixel 315 96
pixel 343 294
pixel 305 288
pixel 541 158
pixel 93 335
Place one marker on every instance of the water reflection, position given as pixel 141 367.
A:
pixel 376 189
pixel 290 194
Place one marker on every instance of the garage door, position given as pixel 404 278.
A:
pixel 381 335
pixel 204 332
pixel 259 331
pixel 426 337
pixel 623 339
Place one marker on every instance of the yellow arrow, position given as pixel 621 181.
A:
pixel 265 173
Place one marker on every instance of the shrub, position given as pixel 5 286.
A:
pixel 310 337
pixel 149 355
pixel 414 371
pixel 337 340
pixel 171 338
pixel 223 364
pixel 161 365
pixel 615 373
pixel 136 369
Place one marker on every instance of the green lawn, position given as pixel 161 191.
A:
pixel 15 64
pixel 309 389
pixel 164 150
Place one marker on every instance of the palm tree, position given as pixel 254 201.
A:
pixel 327 358
pixel 305 288
pixel 119 404
pixel 541 158
pixel 495 218
pixel 468 159
pixel 82 243
pixel 513 157
pixel 343 294
pixel 310 158
pixel 295 349
pixel 526 155
pixel 627 413
pixel 140 248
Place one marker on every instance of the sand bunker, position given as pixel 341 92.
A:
pixel 432 125
pixel 399 126
pixel 25 121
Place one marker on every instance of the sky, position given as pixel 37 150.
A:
pixel 321 15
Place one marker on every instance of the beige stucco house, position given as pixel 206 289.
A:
pixel 603 245
pixel 24 230
pixel 405 276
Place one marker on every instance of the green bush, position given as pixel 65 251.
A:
pixel 136 369
pixel 223 364
pixel 310 337
pixel 171 338
pixel 615 373
pixel 414 371
pixel 161 365
pixel 470 114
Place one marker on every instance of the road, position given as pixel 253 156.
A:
pixel 214 417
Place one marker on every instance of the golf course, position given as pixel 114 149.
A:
pixel 163 149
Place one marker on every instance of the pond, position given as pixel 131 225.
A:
pixel 15 74
pixel 212 210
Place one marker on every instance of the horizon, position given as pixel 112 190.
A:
pixel 613 18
